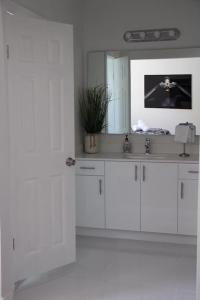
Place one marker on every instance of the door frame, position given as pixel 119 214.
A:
pixel 198 242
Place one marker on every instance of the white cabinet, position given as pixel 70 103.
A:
pixel 159 197
pixel 122 195
pixel 188 199
pixel 90 200
pixel 156 197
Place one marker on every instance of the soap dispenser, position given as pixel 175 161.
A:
pixel 126 145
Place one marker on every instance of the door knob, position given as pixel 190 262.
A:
pixel 70 162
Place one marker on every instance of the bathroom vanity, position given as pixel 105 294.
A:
pixel 151 194
pixel 137 193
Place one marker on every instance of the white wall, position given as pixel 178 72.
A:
pixel 6 237
pixel 12 7
pixel 107 20
pixel 66 11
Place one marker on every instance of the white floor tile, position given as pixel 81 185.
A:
pixel 119 270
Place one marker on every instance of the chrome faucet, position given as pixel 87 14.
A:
pixel 147 146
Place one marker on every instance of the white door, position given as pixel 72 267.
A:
pixel 187 207
pixel 122 93
pixel 118 88
pixel 110 78
pixel 123 195
pixel 41 107
pixel 90 210
pixel 159 197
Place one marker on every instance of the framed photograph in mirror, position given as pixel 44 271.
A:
pixel 168 91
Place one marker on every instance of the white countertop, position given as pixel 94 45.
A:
pixel 162 157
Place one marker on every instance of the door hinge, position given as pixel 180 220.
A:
pixel 7 51
pixel 13 244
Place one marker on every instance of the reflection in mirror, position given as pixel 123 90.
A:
pixel 126 73
pixel 171 96
pixel 112 69
pixel 117 74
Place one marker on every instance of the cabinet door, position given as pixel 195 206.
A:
pixel 90 207
pixel 159 197
pixel 187 207
pixel 122 195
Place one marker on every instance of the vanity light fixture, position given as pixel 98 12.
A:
pixel 152 35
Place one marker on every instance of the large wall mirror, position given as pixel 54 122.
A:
pixel 152 89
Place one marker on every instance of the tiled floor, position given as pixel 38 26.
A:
pixel 119 270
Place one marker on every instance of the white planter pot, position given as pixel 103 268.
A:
pixel 91 143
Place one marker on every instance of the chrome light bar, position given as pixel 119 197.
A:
pixel 152 35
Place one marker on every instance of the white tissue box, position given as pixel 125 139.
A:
pixel 185 133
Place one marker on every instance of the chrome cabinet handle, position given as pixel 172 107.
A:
pixel 100 186
pixel 144 173
pixel 87 168
pixel 70 162
pixel 136 172
pixel 193 172
pixel 182 190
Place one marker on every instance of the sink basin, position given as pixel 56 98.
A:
pixel 144 156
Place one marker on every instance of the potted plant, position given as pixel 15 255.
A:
pixel 93 109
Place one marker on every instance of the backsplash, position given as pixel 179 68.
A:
pixel 113 143
pixel 159 144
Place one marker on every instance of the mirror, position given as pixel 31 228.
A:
pixel 152 89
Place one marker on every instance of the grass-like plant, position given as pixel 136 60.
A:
pixel 93 109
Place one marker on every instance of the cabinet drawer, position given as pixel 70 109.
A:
pixel 89 167
pixel 188 171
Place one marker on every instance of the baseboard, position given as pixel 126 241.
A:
pixel 9 296
pixel 140 236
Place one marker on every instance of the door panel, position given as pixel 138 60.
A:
pixel 187 207
pixel 90 206
pixel 123 195
pixel 41 107
pixel 159 197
